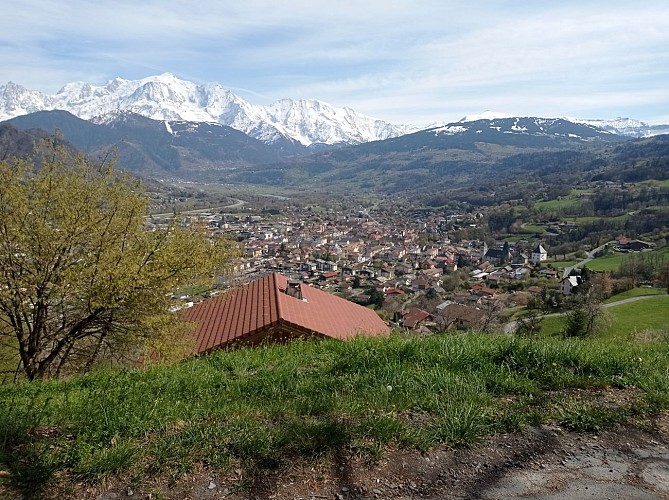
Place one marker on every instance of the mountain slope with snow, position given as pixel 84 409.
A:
pixel 625 126
pixel 166 97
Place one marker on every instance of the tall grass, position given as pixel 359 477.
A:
pixel 261 407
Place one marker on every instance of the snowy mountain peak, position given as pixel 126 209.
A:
pixel 167 97
pixel 486 115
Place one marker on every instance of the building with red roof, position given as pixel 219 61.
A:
pixel 273 308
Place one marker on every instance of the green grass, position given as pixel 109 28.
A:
pixel 636 292
pixel 612 262
pixel 626 320
pixel 656 183
pixel 265 407
pixel 565 203
pixel 591 219
pixel 533 228
pixel 561 264
pixel 607 263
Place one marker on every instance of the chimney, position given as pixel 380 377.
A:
pixel 293 289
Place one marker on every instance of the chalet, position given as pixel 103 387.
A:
pixel 548 273
pixel 414 318
pixel 275 309
pixel 570 284
pixel 629 245
pixel 460 316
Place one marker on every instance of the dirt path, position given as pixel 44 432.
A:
pixel 546 463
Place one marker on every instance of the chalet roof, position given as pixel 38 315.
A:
pixel 574 281
pixel 262 304
pixel 412 317
pixel 461 313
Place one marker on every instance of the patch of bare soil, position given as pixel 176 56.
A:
pixel 630 462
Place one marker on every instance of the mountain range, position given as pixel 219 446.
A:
pixel 166 127
pixel 290 124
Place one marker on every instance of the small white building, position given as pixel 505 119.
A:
pixel 539 254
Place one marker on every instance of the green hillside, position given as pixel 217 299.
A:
pixel 262 408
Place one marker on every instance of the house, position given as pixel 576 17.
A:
pixel 460 316
pixel 548 273
pixel 634 245
pixel 422 283
pixel 482 291
pixel 539 254
pixel 569 284
pixel 520 259
pixel 413 318
pixel 272 308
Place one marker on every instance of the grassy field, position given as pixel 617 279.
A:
pixel 265 407
pixel 533 228
pixel 565 203
pixel 588 220
pixel 636 292
pixel 626 320
pixel 612 262
pixel 561 264
pixel 656 183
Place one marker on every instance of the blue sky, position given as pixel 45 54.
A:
pixel 402 61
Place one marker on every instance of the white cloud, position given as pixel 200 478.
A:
pixel 398 60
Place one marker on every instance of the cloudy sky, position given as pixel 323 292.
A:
pixel 404 61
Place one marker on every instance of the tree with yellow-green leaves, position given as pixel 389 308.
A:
pixel 81 277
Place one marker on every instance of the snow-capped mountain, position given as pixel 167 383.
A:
pixel 625 126
pixel 621 126
pixel 488 128
pixel 166 97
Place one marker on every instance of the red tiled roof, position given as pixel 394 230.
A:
pixel 263 303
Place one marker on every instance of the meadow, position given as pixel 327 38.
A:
pixel 612 262
pixel 626 321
